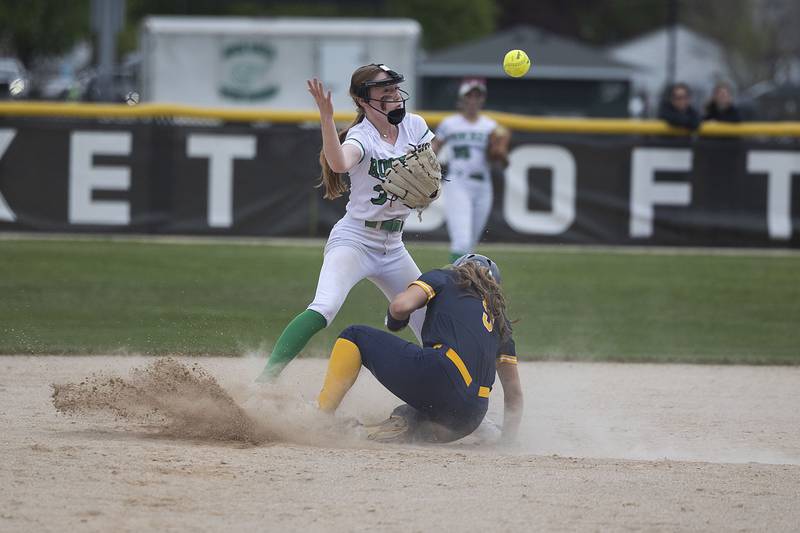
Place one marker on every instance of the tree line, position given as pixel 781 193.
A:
pixel 759 36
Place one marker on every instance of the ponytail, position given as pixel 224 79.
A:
pixel 333 183
pixel 478 281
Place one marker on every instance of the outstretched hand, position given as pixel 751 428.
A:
pixel 321 97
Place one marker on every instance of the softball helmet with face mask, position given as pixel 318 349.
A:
pixel 395 116
pixel 483 261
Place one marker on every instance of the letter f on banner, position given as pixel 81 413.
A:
pixel 646 192
pixel 6 136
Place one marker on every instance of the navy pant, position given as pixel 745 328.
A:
pixel 443 411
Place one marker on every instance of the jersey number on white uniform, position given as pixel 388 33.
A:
pixel 382 197
pixel 460 152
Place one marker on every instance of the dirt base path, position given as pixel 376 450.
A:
pixel 195 445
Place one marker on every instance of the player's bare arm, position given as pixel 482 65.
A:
pixel 512 399
pixel 408 301
pixel 436 145
pixel 405 303
pixel 341 158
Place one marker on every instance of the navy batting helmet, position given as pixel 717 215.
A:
pixel 483 261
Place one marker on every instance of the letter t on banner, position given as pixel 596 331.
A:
pixel 779 167
pixel 646 192
pixel 221 150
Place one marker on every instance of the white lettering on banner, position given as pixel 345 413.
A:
pixel 85 177
pixel 6 136
pixel 515 202
pixel 646 192
pixel 432 217
pixel 221 150
pixel 779 167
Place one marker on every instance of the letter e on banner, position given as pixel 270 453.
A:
pixel 6 136
pixel 85 177
pixel 515 199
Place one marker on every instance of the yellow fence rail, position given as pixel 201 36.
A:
pixel 515 122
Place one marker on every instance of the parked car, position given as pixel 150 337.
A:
pixel 14 80
pixel 124 81
pixel 772 101
pixel 66 85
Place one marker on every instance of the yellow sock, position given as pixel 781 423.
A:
pixel 343 369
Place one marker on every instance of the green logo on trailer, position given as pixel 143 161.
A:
pixel 245 69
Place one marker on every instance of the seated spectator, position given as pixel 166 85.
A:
pixel 677 110
pixel 721 107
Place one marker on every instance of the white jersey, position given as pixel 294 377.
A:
pixel 466 143
pixel 368 201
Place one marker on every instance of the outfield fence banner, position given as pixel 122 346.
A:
pixel 205 177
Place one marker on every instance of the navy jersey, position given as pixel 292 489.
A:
pixel 460 321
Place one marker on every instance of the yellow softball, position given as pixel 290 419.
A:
pixel 516 63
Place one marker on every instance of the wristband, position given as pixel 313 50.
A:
pixel 393 324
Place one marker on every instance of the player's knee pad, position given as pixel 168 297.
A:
pixel 351 333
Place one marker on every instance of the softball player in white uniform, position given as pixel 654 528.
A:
pixel 367 241
pixel 468 191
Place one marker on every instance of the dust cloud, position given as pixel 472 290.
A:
pixel 176 399
pixel 702 413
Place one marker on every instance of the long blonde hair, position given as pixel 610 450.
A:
pixel 333 183
pixel 478 281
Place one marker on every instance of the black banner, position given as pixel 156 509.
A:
pixel 167 177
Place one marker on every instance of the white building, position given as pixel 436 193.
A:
pixel 239 61
pixel 700 62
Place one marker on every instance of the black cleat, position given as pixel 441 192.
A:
pixel 394 429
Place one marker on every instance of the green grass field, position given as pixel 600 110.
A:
pixel 110 296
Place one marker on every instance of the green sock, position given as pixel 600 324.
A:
pixel 292 340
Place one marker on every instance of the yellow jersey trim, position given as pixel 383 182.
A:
pixel 508 359
pixel 484 392
pixel 425 287
pixel 462 368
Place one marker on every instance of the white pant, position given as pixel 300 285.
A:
pixel 468 203
pixel 355 252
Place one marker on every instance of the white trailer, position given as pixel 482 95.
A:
pixel 265 62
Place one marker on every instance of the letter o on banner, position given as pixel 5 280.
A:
pixel 515 202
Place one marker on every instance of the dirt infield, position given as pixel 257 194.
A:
pixel 195 445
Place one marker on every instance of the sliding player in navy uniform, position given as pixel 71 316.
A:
pixel 445 383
